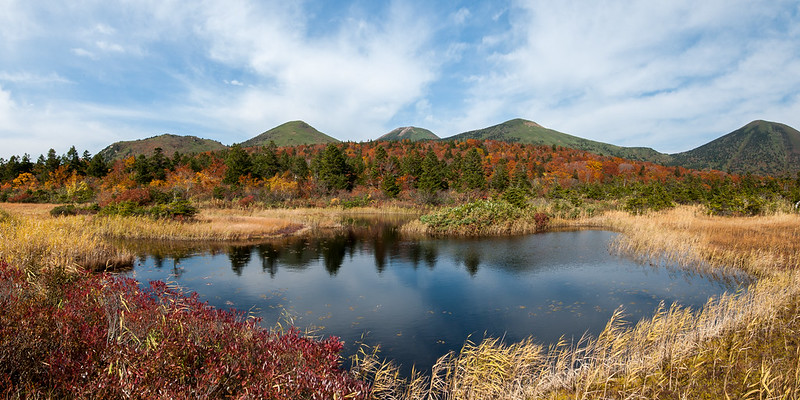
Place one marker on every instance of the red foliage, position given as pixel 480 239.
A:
pixel 138 196
pixel 20 198
pixel 98 336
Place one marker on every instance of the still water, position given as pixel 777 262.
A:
pixel 419 299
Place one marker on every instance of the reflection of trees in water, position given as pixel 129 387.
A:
pixel 333 251
pixel 472 260
pixel 430 255
pixel 382 238
pixel 269 258
pixel 239 257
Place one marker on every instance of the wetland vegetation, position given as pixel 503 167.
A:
pixel 738 345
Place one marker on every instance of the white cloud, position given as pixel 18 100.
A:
pixel 347 84
pixel 109 47
pixel 31 78
pixel 460 16
pixel 670 75
pixel 641 73
pixel 83 53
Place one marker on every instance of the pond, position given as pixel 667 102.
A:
pixel 419 299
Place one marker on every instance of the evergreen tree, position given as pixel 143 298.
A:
pixel 520 179
pixel 412 166
pixel 159 164
pixel 431 178
pixel 299 168
pixel 74 161
pixel 52 162
pixel 472 177
pixel 357 166
pixel 389 185
pixel 142 170
pixel 97 167
pixel 334 171
pixel 500 179
pixel 238 163
pixel 265 164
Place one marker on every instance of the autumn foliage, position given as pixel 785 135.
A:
pixel 97 336
pixel 429 172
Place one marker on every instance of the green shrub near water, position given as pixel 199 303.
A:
pixel 485 216
pixel 177 209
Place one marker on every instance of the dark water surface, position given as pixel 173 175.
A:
pixel 419 299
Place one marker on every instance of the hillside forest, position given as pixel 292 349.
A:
pixel 405 173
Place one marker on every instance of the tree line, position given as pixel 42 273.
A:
pixel 429 173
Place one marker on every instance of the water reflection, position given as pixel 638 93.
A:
pixel 419 299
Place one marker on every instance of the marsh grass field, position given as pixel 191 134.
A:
pixel 742 345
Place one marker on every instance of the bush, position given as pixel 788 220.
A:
pixel 517 196
pixel 64 210
pixel 71 209
pixel 178 209
pixel 484 217
pixel 99 336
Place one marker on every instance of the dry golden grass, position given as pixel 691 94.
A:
pixel 36 244
pixel 744 345
pixel 31 239
pixel 28 209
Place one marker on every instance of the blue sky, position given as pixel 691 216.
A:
pixel 669 75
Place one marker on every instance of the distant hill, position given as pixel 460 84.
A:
pixel 760 147
pixel 168 143
pixel 529 132
pixel 411 133
pixel 290 134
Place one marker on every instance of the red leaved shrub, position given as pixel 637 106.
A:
pixel 99 336
pixel 138 196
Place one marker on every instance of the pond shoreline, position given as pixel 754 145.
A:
pixel 678 351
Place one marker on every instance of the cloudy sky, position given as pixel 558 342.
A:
pixel 670 75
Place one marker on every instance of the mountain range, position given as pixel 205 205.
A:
pixel 760 147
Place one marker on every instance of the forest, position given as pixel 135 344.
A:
pixel 402 173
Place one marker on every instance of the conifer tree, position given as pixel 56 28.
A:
pixel 472 177
pixel 238 163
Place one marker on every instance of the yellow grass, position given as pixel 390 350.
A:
pixel 744 345
pixel 35 244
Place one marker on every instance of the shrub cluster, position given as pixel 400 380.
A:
pixel 485 217
pixel 176 209
pixel 97 336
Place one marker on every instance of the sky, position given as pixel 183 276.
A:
pixel 671 75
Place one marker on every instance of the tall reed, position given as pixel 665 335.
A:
pixel 740 345
pixel 34 244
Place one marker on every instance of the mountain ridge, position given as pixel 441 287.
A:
pixel 520 130
pixel 169 144
pixel 291 133
pixel 412 133
pixel 760 147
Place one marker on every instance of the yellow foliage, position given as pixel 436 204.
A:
pixel 25 180
pixel 282 183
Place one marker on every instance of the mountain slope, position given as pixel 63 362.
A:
pixel 760 147
pixel 168 143
pixel 411 133
pixel 290 134
pixel 528 132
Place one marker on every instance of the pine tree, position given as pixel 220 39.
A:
pixel 500 179
pixel 431 178
pixel 98 167
pixel 238 163
pixel 472 177
pixel 334 172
